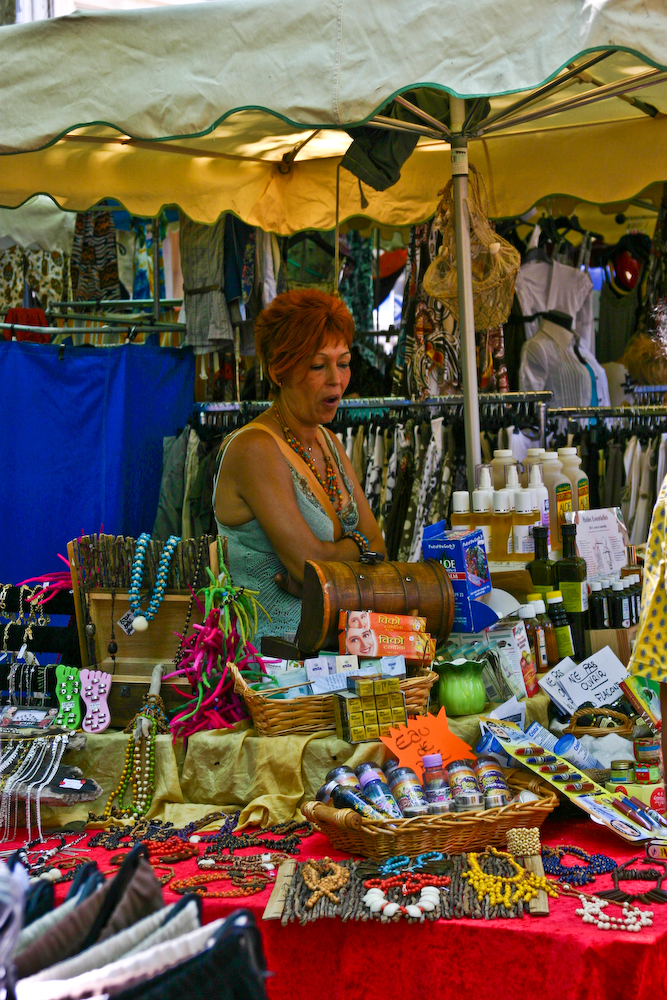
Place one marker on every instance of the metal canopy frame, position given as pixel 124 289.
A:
pixel 458 137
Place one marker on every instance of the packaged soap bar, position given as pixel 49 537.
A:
pixel 416 647
pixel 320 666
pixel 380 620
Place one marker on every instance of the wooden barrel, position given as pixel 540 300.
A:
pixel 387 587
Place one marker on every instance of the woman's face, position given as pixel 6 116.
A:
pixel 360 641
pixel 358 619
pixel 313 391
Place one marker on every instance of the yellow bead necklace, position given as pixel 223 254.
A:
pixel 503 889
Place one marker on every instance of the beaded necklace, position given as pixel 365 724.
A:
pixel 330 486
pixel 139 769
pixel 577 875
pixel 140 623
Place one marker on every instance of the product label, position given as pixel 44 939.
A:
pixel 564 642
pixel 575 595
pixel 486 531
pixel 563 505
pixel 408 792
pixel 541 650
pixel 544 518
pixel 522 535
pixel 583 494
pixel 658 799
pixel 626 611
pixel 125 623
pixel 605 611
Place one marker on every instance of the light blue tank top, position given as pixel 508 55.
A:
pixel 253 561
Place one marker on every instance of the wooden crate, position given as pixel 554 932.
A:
pixel 619 641
pixel 130 684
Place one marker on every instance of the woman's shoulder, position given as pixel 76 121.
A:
pixel 255 440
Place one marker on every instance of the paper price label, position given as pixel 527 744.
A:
pixel 125 623
pixel 74 783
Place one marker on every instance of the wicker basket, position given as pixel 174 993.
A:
pixel 315 712
pixel 625 725
pixel 381 839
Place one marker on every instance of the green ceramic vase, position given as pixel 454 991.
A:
pixel 461 688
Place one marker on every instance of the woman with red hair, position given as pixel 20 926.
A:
pixel 285 490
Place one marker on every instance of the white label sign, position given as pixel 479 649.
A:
pixel 601 540
pixel 125 623
pixel 596 679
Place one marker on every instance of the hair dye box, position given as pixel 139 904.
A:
pixel 463 555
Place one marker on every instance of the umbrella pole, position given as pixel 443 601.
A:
pixel 466 307
pixel 156 269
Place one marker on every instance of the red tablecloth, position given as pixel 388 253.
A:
pixel 537 958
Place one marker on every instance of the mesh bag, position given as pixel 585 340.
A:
pixel 495 262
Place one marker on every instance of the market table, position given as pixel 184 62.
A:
pixel 535 957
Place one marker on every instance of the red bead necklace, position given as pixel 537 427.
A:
pixel 330 487
pixel 409 882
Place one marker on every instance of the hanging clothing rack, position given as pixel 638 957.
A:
pixel 129 325
pixel 608 411
pixel 96 303
pixel 540 399
pixel 132 320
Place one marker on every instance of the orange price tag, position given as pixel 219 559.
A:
pixel 425 734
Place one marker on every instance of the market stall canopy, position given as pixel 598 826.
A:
pixel 244 105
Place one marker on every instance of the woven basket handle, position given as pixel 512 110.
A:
pixel 344 819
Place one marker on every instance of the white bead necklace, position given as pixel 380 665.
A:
pixel 377 902
pixel 592 910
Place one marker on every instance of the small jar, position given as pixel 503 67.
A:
pixel 647 750
pixel 469 802
pixel 490 777
pixel 344 776
pixel 495 798
pixel 406 789
pixel 369 766
pixel 435 780
pixel 647 774
pixel 324 793
pixel 462 777
pixel 623 771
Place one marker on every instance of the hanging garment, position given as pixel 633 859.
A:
pixel 27 317
pixel 356 285
pixel 401 494
pixel 549 361
pixel 430 479
pixel 94 261
pixel 11 279
pixel 359 454
pixel 492 373
pixel 208 324
pixel 376 465
pixel 617 322
pixel 613 475
pixel 142 284
pixel 427 362
pixel 190 474
pixel 169 516
pixel 349 443
pixel 125 245
pixel 542 286
pixel 47 275
pixel 422 439
pixel 662 462
pixel 645 494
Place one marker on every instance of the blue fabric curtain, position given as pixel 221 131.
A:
pixel 82 431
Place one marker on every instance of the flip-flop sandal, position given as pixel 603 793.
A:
pixel 68 689
pixel 95 686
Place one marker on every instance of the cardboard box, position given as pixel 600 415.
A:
pixel 380 620
pixel 363 686
pixel 417 647
pixel 373 732
pixel 385 716
pixel 382 702
pixel 463 555
pixel 356 735
pixel 370 718
pixel 368 703
pixel 652 795
pixel 385 730
pixel 393 666
pixel 399 715
pixel 396 699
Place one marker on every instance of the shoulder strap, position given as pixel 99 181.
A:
pixel 303 470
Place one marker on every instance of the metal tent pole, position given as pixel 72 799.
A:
pixel 156 269
pixel 459 156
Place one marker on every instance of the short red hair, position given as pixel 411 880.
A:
pixel 293 328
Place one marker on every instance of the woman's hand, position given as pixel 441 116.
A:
pixel 289 585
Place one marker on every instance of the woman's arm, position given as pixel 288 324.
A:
pixel 262 480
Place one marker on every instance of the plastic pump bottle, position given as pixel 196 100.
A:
pixel 541 498
pixel 501 458
pixel 484 478
pixel 532 455
pixel 481 518
pixel 460 516
pixel 512 483
pixel 523 519
pixel 560 497
pixel 572 469
pixel 501 528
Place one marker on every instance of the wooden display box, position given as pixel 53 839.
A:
pixel 619 641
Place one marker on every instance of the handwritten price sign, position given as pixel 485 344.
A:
pixel 595 680
pixel 426 734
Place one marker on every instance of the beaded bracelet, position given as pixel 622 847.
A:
pixel 359 540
